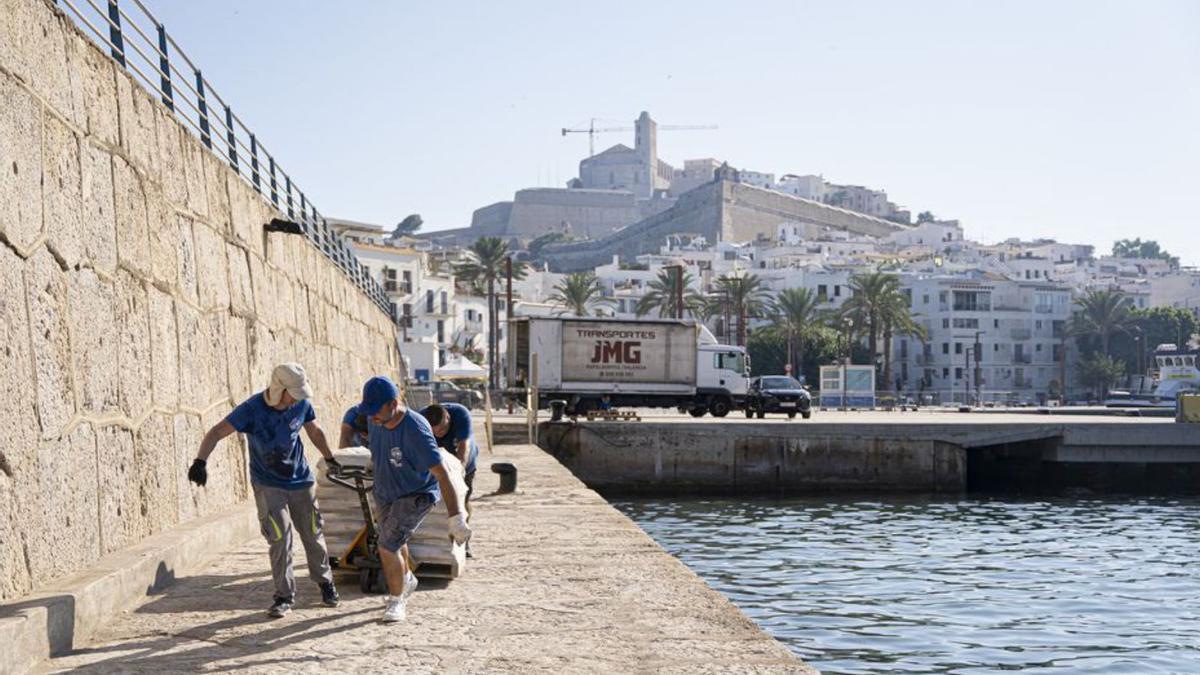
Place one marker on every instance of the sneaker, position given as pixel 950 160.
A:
pixel 329 594
pixel 395 610
pixel 467 546
pixel 410 584
pixel 280 608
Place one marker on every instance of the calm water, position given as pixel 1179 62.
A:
pixel 953 586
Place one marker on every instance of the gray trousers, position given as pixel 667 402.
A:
pixel 279 512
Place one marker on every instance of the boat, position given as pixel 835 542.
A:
pixel 1177 373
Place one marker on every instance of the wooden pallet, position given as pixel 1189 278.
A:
pixel 613 416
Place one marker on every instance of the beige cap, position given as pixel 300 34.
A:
pixel 289 377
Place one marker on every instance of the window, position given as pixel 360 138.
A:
pixel 406 287
pixel 389 280
pixel 837 291
pixel 429 301
pixel 995 323
pixel 945 347
pixel 925 299
pixel 966 323
pixel 972 301
pixel 1037 324
pixel 996 347
pixel 444 303
pixel 958 373
pixel 957 347
pixel 441 331
pixel 822 293
pixel 945 373
pixel 1039 347
pixel 945 323
pixel 734 361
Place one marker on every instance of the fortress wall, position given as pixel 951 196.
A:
pixel 140 300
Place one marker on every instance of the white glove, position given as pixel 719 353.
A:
pixel 460 532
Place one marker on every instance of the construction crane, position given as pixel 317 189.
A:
pixel 592 130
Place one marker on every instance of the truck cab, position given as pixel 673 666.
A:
pixel 722 379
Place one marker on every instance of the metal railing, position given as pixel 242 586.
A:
pixel 140 44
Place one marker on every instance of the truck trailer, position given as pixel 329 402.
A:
pixel 656 363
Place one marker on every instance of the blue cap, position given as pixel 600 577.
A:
pixel 376 392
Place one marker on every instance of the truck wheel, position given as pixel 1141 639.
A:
pixel 791 415
pixel 749 412
pixel 719 406
pixel 697 412
pixel 761 413
pixel 806 414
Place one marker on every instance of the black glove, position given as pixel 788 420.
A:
pixel 198 474
pixel 333 466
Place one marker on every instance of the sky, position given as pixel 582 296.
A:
pixel 1078 121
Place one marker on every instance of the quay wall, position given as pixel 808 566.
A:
pixel 140 299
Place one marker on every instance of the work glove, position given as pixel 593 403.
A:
pixel 198 474
pixel 333 466
pixel 460 532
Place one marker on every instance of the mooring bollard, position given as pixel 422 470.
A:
pixel 508 476
pixel 557 409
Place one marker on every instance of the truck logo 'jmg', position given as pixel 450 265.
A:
pixel 617 351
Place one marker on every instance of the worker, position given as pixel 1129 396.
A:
pixel 409 480
pixel 354 429
pixel 451 425
pixel 284 490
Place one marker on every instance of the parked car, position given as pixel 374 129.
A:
pixel 778 394
pixel 448 392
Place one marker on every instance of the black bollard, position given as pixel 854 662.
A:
pixel 557 408
pixel 508 476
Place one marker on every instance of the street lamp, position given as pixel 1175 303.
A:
pixel 848 323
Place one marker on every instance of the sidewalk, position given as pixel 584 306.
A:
pixel 561 582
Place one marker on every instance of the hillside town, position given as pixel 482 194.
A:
pixel 776 264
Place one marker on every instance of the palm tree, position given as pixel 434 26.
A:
pixel 486 263
pixel 898 320
pixel 872 295
pixel 579 290
pixel 795 313
pixel 1102 313
pixel 747 298
pixel 663 296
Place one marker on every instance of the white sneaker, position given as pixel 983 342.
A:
pixel 395 610
pixel 410 584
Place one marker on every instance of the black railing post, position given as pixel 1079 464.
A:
pixel 203 106
pixel 231 139
pixel 303 217
pixel 164 67
pixel 114 32
pixel 287 182
pixel 254 163
pixel 274 191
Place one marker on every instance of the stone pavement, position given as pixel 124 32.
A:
pixel 562 582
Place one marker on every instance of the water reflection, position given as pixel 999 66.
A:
pixel 953 586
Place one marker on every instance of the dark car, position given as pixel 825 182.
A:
pixel 777 394
pixel 448 392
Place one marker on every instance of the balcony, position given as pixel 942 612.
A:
pixel 1043 309
pixel 1021 334
pixel 1022 358
pixel 1023 384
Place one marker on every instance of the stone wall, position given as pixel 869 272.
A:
pixel 140 300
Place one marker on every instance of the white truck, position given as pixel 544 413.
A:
pixel 660 363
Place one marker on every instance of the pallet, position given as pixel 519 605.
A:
pixel 613 416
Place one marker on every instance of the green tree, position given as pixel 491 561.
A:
pixel 874 302
pixel 578 291
pixel 408 226
pixel 925 217
pixel 1146 250
pixel 1099 372
pixel 1152 327
pixel 541 241
pixel 1101 314
pixel 745 297
pixel 662 296
pixel 898 321
pixel 794 314
pixel 486 264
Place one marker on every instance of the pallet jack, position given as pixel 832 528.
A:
pixel 363 552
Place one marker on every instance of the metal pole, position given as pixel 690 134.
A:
pixel 274 192
pixel 978 367
pixel 508 300
pixel 287 188
pixel 254 163
pixel 114 32
pixel 1062 370
pixel 164 67
pixel 203 106
pixel 231 139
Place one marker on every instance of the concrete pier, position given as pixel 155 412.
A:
pixel 562 582
pixel 879 451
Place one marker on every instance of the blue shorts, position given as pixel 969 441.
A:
pixel 399 519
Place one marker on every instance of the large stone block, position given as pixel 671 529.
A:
pixel 99 231
pixel 185 259
pixel 241 291
pixel 120 514
pixel 134 378
pixel 211 273
pixel 264 292
pixel 237 357
pixel 219 209
pixel 193 173
pixel 187 436
pixel 157 475
pixel 216 370
pixel 242 211
pixel 94 342
pixel 20 164
pixel 99 91
pixel 164 349
pixel 171 158
pixel 18 454
pixel 264 355
pixel 163 227
pixel 49 328
pixel 42 39
pixel 133 229
pixel 191 349
pixel 138 113
pixel 67 537
pixel 62 191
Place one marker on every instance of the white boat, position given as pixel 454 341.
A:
pixel 1176 374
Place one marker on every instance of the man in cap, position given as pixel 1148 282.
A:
pixel 409 480
pixel 354 429
pixel 284 489
pixel 451 424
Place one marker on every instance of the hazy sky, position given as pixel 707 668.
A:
pixel 1073 120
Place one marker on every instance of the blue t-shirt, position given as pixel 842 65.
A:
pixel 460 430
pixel 401 458
pixel 358 423
pixel 276 453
